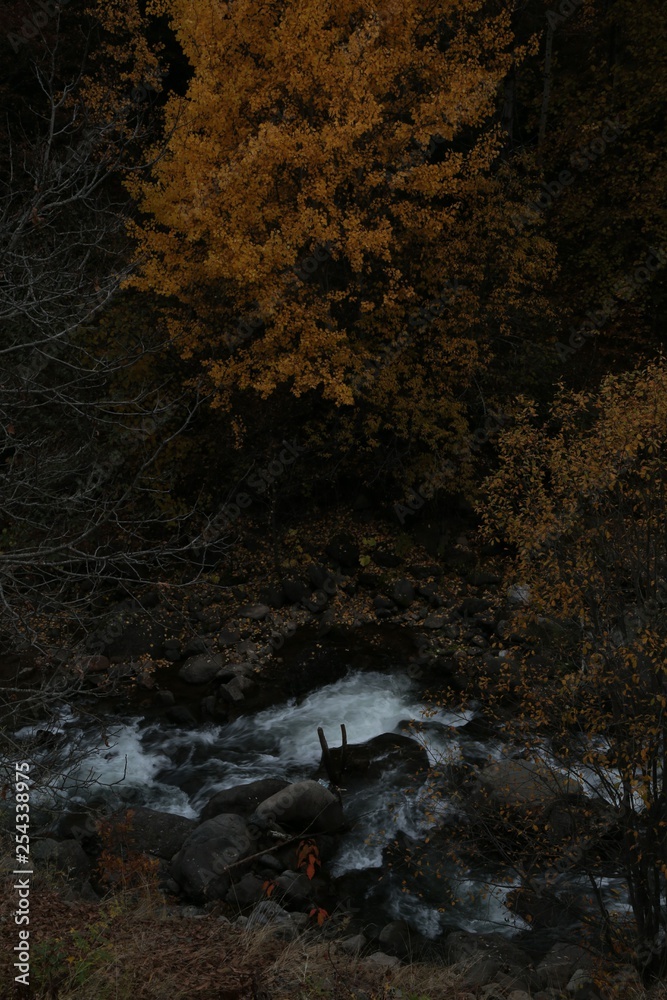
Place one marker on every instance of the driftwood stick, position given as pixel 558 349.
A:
pixel 343 749
pixel 326 757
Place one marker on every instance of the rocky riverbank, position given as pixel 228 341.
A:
pixel 258 852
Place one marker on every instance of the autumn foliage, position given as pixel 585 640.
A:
pixel 330 221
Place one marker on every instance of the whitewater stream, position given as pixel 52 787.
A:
pixel 178 769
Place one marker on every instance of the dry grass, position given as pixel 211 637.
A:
pixel 130 947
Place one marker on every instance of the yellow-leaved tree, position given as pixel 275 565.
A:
pixel 332 222
pixel 582 499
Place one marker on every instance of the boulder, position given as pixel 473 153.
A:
pixel 486 957
pixel 560 963
pixel 374 756
pixel 242 799
pixel 522 785
pixel 180 716
pixel 159 833
pixel 201 867
pixel 246 892
pixel 303 807
pixel 235 690
pixel 396 938
pixel 64 855
pixel 201 669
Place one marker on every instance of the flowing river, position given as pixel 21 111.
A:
pixel 177 769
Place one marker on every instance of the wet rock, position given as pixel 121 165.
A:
pixel 304 807
pixel 273 596
pixel 242 799
pixel 317 575
pixel 383 603
pixel 430 593
pixel 201 867
pixel 198 644
pixel 297 889
pixel 165 698
pixel 179 715
pixel 235 690
pixel 369 581
pixel 373 757
pixel 200 669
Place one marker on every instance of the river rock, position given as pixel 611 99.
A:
pixel 269 912
pixel 159 833
pixel 201 669
pixel 246 892
pixel 521 784
pixel 297 889
pixel 487 956
pixel 559 964
pixel 242 799
pixel 256 612
pixel 403 593
pixel 396 938
pixel 235 690
pixel 303 807
pixel 64 855
pixel 201 865
pixel 374 756
pixel 382 961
